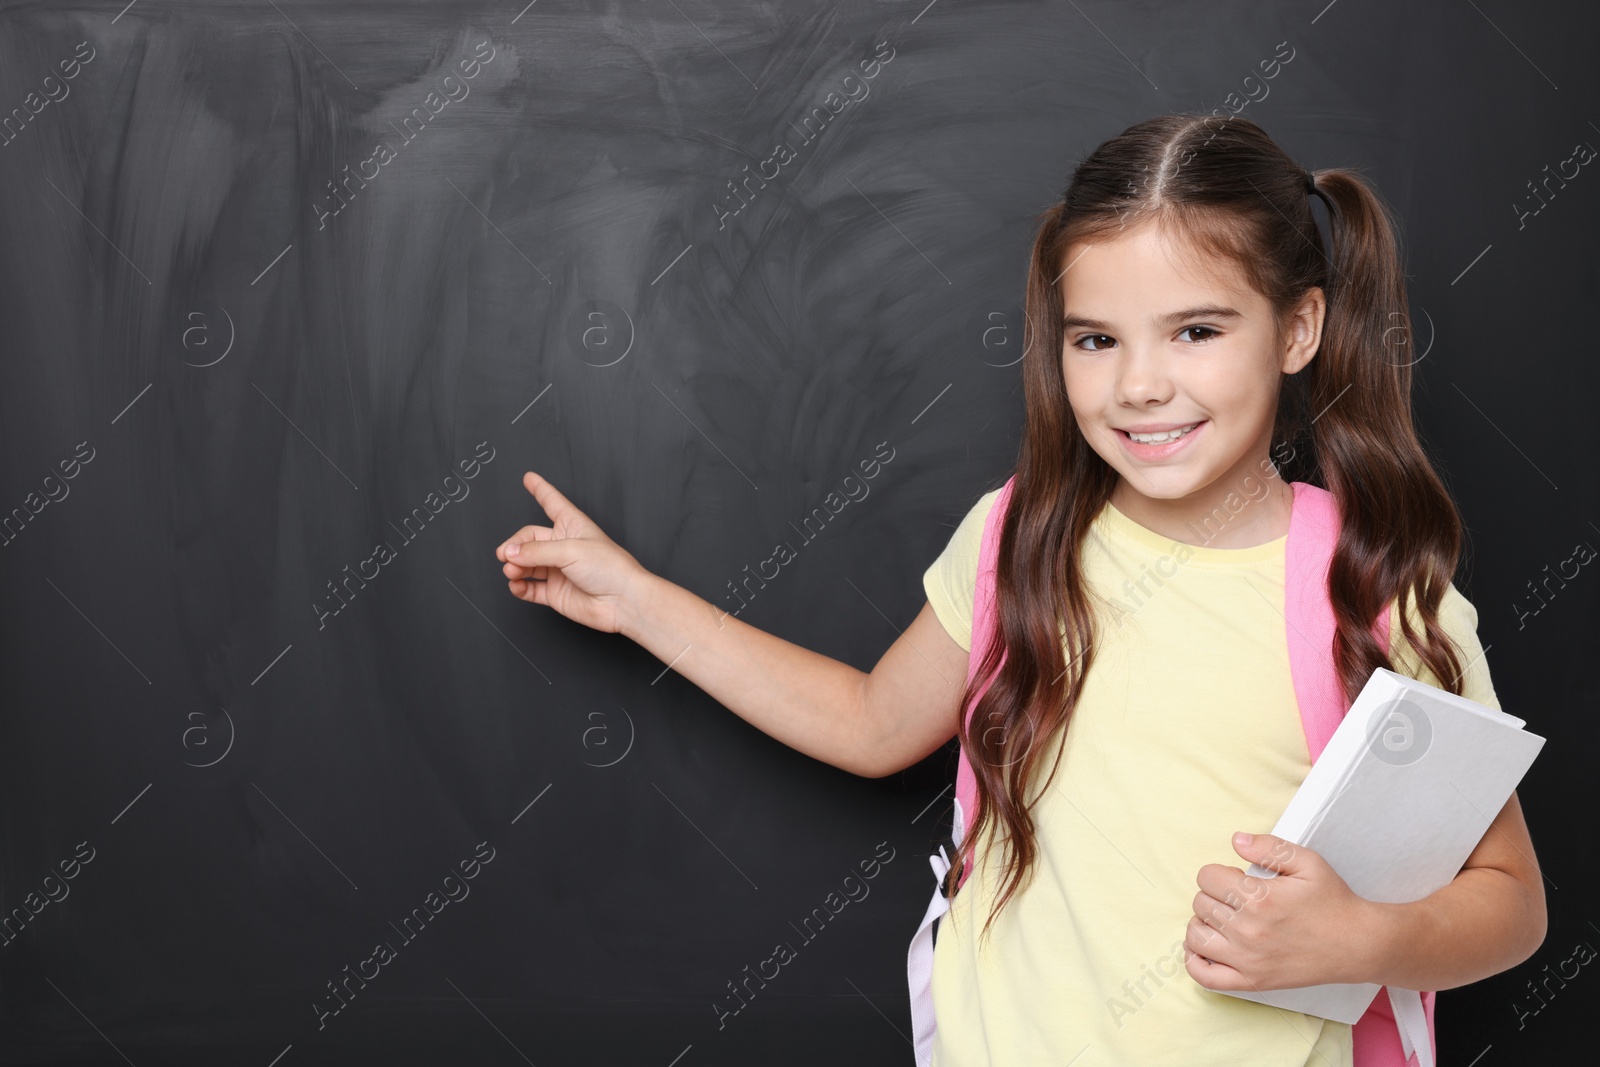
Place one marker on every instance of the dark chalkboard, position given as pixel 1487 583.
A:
pixel 291 294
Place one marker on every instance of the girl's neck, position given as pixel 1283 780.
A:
pixel 1225 514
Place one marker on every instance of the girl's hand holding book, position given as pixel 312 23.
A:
pixel 1302 927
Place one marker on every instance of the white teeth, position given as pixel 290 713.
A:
pixel 1161 438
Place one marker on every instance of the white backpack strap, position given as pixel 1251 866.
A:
pixel 919 958
pixel 1413 1023
pixel 919 964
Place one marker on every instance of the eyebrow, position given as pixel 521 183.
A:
pixel 1203 311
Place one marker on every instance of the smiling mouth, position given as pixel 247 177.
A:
pixel 1165 437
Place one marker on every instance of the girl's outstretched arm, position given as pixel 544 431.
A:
pixel 868 724
pixel 871 724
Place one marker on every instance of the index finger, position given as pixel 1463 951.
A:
pixel 555 505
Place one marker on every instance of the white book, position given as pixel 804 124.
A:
pixel 1404 791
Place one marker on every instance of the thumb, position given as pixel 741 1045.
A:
pixel 1270 851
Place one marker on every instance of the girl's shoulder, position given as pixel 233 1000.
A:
pixel 969 532
pixel 951 581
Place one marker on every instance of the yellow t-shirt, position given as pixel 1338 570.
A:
pixel 1187 730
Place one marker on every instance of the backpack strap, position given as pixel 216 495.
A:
pixel 919 956
pixel 984 623
pixel 1307 555
pixel 1401 1023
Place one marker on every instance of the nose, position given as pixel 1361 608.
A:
pixel 1143 377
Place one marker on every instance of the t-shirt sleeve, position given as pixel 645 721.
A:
pixel 1460 620
pixel 951 580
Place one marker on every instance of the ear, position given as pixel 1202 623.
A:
pixel 1304 333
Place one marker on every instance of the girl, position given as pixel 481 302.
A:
pixel 1192 350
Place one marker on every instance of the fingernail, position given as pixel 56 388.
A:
pixel 512 550
pixel 1242 838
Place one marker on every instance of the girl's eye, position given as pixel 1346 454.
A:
pixel 1102 341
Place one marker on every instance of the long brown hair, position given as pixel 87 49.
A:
pixel 1346 419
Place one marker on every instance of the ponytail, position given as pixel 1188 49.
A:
pixel 1400 533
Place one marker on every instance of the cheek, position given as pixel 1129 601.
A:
pixel 1239 389
pixel 1076 398
pixel 1079 382
pixel 1090 394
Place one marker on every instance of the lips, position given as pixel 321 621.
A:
pixel 1164 449
pixel 1160 435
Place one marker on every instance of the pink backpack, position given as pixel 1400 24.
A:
pixel 1392 1029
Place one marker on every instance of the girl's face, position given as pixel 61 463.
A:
pixel 1153 342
